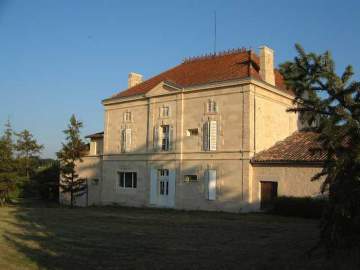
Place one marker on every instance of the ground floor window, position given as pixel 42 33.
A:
pixel 191 178
pixel 127 179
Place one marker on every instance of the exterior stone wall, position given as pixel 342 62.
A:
pixel 293 180
pixel 251 116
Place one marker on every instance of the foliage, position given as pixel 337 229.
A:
pixel 72 152
pixel 330 104
pixel 7 165
pixel 28 150
pixel 45 181
pixel 305 207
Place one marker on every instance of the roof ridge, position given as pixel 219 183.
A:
pixel 213 55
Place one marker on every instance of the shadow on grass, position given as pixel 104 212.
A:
pixel 133 238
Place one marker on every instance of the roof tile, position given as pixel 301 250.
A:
pixel 238 64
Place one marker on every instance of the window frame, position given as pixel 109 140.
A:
pixel 128 116
pixel 121 181
pixel 165 138
pixel 187 178
pixel 211 106
pixel 164 109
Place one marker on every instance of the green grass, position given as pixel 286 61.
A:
pixel 37 236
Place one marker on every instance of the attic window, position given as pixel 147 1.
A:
pixel 211 106
pixel 127 116
pixel 165 111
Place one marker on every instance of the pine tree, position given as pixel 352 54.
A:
pixel 72 152
pixel 28 150
pixel 330 104
pixel 8 175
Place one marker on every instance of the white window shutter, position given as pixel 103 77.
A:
pixel 153 186
pixel 123 140
pixel 127 139
pixel 159 137
pixel 212 184
pixel 171 137
pixel 206 136
pixel 156 138
pixel 213 135
pixel 172 187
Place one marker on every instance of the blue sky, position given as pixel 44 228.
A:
pixel 65 56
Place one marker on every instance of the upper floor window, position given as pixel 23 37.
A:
pixel 165 137
pixel 211 106
pixel 210 136
pixel 165 111
pixel 127 117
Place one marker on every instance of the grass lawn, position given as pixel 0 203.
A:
pixel 43 237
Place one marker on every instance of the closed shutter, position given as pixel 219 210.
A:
pixel 123 140
pixel 153 186
pixel 172 187
pixel 171 136
pixel 206 136
pixel 212 184
pixel 213 135
pixel 157 139
pixel 127 139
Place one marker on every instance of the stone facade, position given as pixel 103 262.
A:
pixel 191 147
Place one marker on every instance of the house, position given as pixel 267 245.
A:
pixel 212 133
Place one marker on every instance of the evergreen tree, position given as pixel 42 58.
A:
pixel 72 152
pixel 28 150
pixel 330 104
pixel 7 164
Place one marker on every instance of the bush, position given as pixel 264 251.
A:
pixel 305 207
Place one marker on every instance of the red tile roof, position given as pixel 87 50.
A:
pixel 236 64
pixel 297 148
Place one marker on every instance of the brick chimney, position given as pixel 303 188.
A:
pixel 134 79
pixel 267 65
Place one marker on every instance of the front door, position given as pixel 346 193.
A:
pixel 163 188
pixel 268 194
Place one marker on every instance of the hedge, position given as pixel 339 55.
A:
pixel 306 207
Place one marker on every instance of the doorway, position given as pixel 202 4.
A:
pixel 268 194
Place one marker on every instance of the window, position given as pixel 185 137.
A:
pixel 210 136
pixel 165 137
pixel 191 178
pixel 211 106
pixel 163 181
pixel 127 179
pixel 163 172
pixel 165 111
pixel 127 117
pixel 192 132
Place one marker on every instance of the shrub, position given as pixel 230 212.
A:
pixel 305 207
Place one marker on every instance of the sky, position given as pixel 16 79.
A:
pixel 62 57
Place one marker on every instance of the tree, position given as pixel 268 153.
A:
pixel 7 164
pixel 28 150
pixel 330 104
pixel 72 152
pixel 46 180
